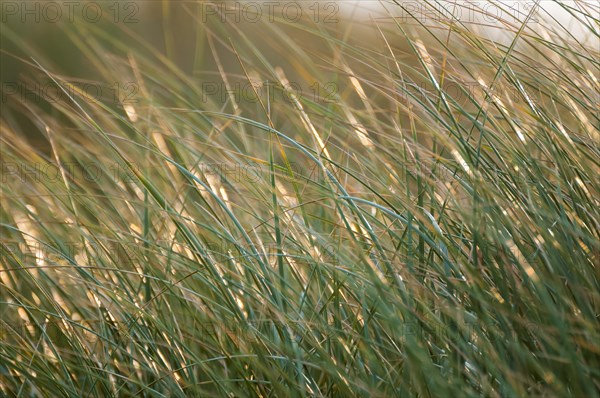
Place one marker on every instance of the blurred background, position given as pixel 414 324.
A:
pixel 196 38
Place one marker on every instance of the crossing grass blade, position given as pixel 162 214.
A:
pixel 421 218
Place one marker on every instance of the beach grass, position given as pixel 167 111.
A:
pixel 416 215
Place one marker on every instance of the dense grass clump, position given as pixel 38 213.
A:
pixel 416 214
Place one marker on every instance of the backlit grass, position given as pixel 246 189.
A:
pixel 413 215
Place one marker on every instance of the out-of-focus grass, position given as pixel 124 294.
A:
pixel 422 221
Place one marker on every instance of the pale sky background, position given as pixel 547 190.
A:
pixel 373 8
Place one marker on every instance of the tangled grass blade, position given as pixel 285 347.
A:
pixel 252 199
